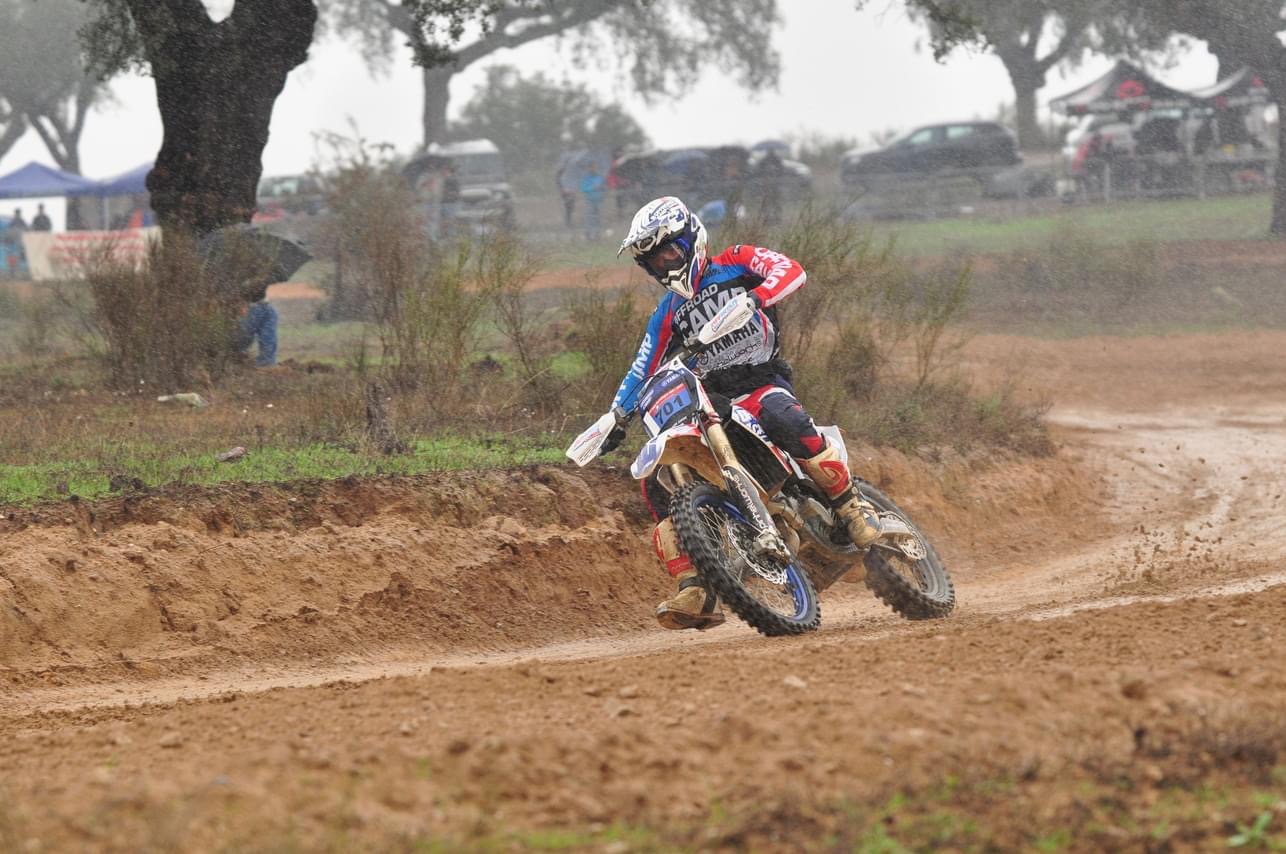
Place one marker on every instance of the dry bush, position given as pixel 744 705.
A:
pixel 37 319
pixel 913 416
pixel 506 269
pixel 427 299
pixel 1075 263
pixel 169 323
pixel 873 341
pixel 606 330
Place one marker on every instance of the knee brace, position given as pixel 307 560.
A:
pixel 666 542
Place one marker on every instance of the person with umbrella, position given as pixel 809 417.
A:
pixel 246 260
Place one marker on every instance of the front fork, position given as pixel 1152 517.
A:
pixel 741 486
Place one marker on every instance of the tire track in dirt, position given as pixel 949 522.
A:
pixel 1126 652
pixel 1189 492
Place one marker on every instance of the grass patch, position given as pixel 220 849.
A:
pixel 1224 218
pixel 93 477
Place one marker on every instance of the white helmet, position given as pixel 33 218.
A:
pixel 669 242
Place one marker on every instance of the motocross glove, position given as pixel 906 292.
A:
pixel 613 440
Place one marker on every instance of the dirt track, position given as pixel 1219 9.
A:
pixel 471 659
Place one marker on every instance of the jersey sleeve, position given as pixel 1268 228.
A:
pixel 782 276
pixel 656 339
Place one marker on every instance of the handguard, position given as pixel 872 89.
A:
pixel 588 445
pixel 735 314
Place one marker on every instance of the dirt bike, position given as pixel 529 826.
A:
pixel 759 531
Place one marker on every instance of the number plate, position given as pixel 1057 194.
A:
pixel 667 399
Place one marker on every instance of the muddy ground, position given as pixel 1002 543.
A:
pixel 469 661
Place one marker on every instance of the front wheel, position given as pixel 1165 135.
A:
pixel 916 589
pixel 776 599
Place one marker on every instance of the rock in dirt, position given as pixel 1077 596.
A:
pixel 191 398
pixel 1134 688
pixel 793 681
pixel 171 740
pixel 125 483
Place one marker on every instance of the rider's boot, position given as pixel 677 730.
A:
pixel 829 471
pixel 691 607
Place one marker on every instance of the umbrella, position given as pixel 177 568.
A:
pixel 248 259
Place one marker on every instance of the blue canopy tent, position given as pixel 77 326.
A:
pixel 124 184
pixel 35 181
pixel 131 183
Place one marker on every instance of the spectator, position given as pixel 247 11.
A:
pixel 428 187
pixel 450 198
pixel 565 180
pixel 40 222
pixel 258 323
pixel 619 185
pixel 593 187
pixel 17 223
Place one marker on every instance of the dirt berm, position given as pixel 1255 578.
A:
pixel 185 579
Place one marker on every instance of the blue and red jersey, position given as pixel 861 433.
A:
pixel 769 275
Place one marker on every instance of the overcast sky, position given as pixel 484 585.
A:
pixel 844 73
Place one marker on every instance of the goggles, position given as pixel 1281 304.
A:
pixel 664 259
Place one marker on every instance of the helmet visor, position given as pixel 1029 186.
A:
pixel 664 259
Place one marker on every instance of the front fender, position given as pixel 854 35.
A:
pixel 651 453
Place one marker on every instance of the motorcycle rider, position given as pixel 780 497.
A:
pixel 669 242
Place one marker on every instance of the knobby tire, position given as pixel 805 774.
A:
pixel 707 555
pixel 933 597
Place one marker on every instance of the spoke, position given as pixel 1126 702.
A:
pixel 767 582
pixel 907 568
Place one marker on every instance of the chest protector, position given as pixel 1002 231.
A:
pixel 753 344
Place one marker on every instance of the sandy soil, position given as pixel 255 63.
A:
pixel 470 661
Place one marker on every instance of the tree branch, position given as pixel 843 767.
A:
pixel 158 20
pixel 1072 35
pixel 498 39
pixel 50 139
pixel 13 132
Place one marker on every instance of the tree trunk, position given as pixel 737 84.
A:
pixel 1278 226
pixel 1030 137
pixel 437 93
pixel 216 85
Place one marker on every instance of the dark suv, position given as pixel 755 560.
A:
pixel 936 148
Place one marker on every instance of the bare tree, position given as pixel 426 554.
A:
pixel 662 43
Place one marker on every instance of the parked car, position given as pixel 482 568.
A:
pixel 486 198
pixel 797 177
pixel 289 194
pixel 935 148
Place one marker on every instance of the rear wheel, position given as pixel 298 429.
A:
pixel 775 598
pixel 918 589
